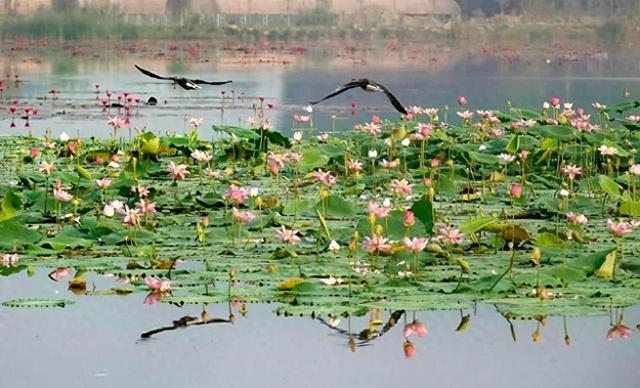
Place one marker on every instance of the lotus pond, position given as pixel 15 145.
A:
pixel 365 231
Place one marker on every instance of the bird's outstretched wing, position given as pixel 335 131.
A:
pixel 152 75
pixel 341 89
pixel 394 101
pixel 202 82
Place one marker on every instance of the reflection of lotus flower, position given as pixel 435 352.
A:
pixel 153 297
pixel 60 273
pixel 157 284
pixel 415 327
pixel 409 349
pixel 9 259
pixel 619 330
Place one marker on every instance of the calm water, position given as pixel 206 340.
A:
pixel 96 342
pixel 489 78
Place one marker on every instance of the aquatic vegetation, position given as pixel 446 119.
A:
pixel 531 212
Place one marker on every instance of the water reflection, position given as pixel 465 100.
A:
pixel 488 76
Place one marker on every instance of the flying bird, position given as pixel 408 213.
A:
pixel 368 86
pixel 185 83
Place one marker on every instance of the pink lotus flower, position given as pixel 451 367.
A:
pixel 156 284
pixel 431 112
pixel 555 102
pixel 142 191
pixel 435 163
pixel 423 131
pixel 524 154
pixel 294 157
pixel 144 207
pixel 354 165
pixel 389 164
pixel 196 122
pixel 576 219
pixel 462 101
pixel 619 330
pixel 289 236
pixel 401 187
pixel 60 273
pixel 46 168
pixel 116 122
pixel 372 129
pixel 415 327
pixel 131 216
pixel 451 235
pixel 103 183
pixel 62 196
pixel 237 195
pixel 201 156
pixel 377 244
pixel 178 172
pixel 507 158
pixel 634 118
pixel 324 177
pixel 635 169
pixel 465 115
pixel 607 151
pixel 112 207
pixel 35 152
pixel 516 190
pixel 9 259
pixel 242 217
pixel 377 210
pixel 572 171
pixel 301 118
pixel 251 121
pixel 619 229
pixel 212 174
pixel 323 137
pixel 416 244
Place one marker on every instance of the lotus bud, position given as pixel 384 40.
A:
pixel 536 255
pixel 409 219
pixel 353 244
pixel 352 345
pixel 204 316
pixel 232 273
pixel 205 221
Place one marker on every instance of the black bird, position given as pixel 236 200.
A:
pixel 367 86
pixel 185 83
